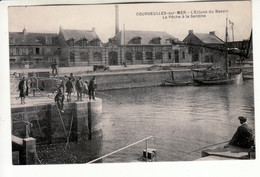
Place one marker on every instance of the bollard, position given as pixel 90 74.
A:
pixel 29 151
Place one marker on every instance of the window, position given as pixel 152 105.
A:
pixel 37 51
pixel 169 55
pixel 128 56
pixel 97 56
pixel 72 57
pixel 12 60
pixel 17 51
pixel 139 56
pixel 201 50
pixel 84 56
pixel 12 51
pixel 158 55
pixel 149 56
pixel 183 55
pixel 190 50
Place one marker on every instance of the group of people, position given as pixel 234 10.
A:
pixel 71 85
pixel 26 85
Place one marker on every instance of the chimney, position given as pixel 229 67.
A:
pixel 24 31
pixel 212 32
pixel 190 31
pixel 117 23
pixel 60 28
pixel 94 29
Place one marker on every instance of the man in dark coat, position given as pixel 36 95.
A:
pixel 22 89
pixel 69 89
pixel 54 68
pixel 92 88
pixel 243 137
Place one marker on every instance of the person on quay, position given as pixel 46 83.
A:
pixel 59 98
pixel 243 137
pixel 85 88
pixel 34 84
pixel 69 89
pixel 79 88
pixel 92 88
pixel 22 89
pixel 54 68
pixel 73 80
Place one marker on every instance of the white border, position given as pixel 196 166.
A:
pixel 179 169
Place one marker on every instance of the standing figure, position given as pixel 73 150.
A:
pixel 69 89
pixel 79 87
pixel 73 80
pixel 34 84
pixel 59 98
pixel 22 89
pixel 92 88
pixel 54 68
pixel 85 88
pixel 244 135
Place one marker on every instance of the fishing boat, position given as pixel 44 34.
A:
pixel 175 83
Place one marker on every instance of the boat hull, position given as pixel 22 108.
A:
pixel 176 83
pixel 213 81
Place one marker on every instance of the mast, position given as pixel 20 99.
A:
pixel 226 57
pixel 124 45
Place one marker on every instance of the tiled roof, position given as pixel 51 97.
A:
pixel 146 37
pixel 79 34
pixel 208 38
pixel 19 38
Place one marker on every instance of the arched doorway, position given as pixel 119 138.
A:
pixel 112 58
pixel 129 58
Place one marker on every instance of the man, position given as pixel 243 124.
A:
pixel 73 80
pixel 22 89
pixel 69 89
pixel 59 98
pixel 244 135
pixel 79 88
pixel 54 68
pixel 92 88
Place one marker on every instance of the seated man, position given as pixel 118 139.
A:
pixel 243 137
pixel 59 98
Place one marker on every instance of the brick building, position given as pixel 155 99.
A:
pixel 145 47
pixel 84 48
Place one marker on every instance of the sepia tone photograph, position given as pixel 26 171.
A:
pixel 131 82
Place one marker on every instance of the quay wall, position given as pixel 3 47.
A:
pixel 122 80
pixel 44 123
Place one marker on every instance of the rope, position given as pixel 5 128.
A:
pixel 61 120
pixel 68 138
pixel 37 158
pixel 208 146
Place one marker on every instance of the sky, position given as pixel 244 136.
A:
pixel 102 18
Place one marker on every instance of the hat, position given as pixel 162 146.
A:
pixel 242 118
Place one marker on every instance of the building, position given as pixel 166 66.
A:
pixel 84 48
pixel 204 51
pixel 144 47
pixel 32 50
pixel 80 48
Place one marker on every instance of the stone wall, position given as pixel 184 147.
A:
pixel 46 122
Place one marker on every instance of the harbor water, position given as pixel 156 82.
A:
pixel 180 119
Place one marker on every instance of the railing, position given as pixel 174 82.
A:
pixel 146 146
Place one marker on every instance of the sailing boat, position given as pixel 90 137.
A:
pixel 213 75
pixel 173 82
